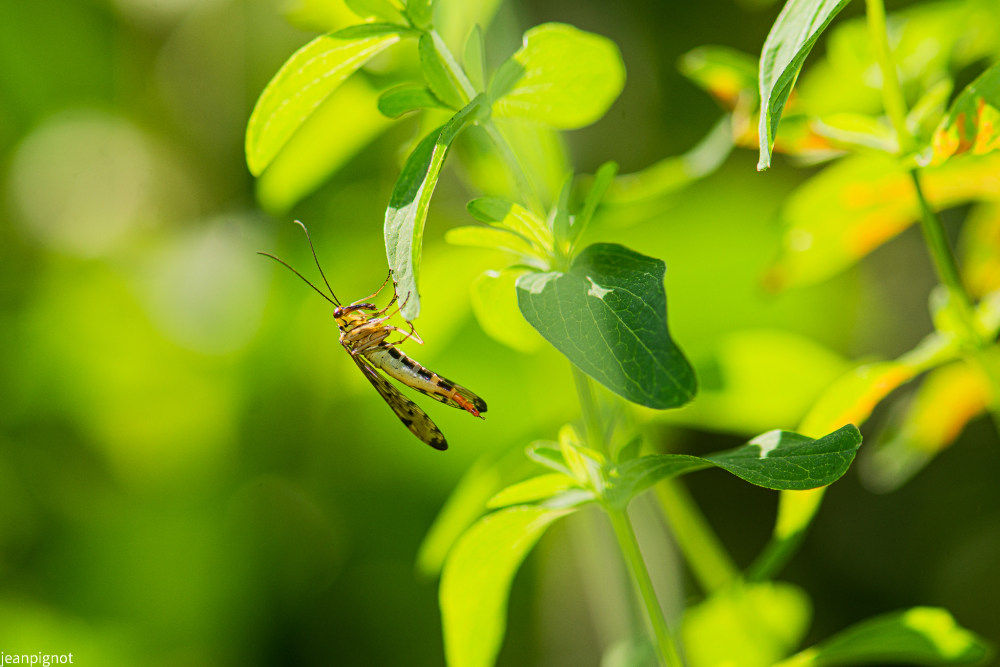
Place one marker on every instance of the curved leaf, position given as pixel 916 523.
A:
pixel 917 636
pixel 411 197
pixel 793 35
pixel 973 122
pixel 304 81
pixel 436 73
pixel 400 100
pixel 608 315
pixel 477 578
pixel 561 76
pixel 779 460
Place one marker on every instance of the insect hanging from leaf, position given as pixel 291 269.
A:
pixel 364 333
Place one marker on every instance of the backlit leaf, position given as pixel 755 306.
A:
pixel 476 581
pixel 395 102
pixel 728 75
pixel 917 636
pixel 407 211
pixel 791 38
pixel 608 315
pixel 438 78
pixel 973 122
pixel 561 76
pixel 304 81
pixel 854 206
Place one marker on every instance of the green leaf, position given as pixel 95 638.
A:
pixel 917 636
pixel 784 460
pixel 303 82
pixel 559 216
pixel 436 73
pixel 598 188
pixel 338 129
pixel 494 301
pixel 548 454
pixel 477 577
pixel 778 460
pixel 515 218
pixel 728 75
pixel 761 623
pixel 474 58
pixel 608 315
pixel 973 122
pixel 532 490
pixel 421 12
pixel 400 100
pixel 561 76
pixel 793 35
pixel 407 211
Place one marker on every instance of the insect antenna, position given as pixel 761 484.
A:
pixel 323 275
pixel 304 279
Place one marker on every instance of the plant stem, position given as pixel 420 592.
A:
pixel 892 93
pixel 664 643
pixel 514 165
pixel 702 550
pixel 588 407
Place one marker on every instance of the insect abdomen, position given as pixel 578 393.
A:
pixel 413 374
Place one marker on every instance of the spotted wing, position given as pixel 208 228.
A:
pixel 408 412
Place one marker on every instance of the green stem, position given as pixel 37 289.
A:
pixel 514 165
pixel 588 407
pixel 702 549
pixel 664 643
pixel 892 92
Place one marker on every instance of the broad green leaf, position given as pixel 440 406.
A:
pixel 494 301
pixel 778 460
pixel 750 625
pixel 476 581
pixel 857 132
pixel 973 122
pixel 849 209
pixel 304 81
pixel 948 398
pixel 436 73
pixel 466 504
pixel 561 76
pixel 400 100
pixel 532 490
pixel 420 12
pixel 793 35
pixel 728 75
pixel 784 460
pixel 341 126
pixel 474 58
pixel 608 315
pixel 407 211
pixel 917 636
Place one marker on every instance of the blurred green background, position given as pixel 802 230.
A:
pixel 192 472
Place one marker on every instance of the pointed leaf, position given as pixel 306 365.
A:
pixel 400 100
pixel 407 211
pixel 778 460
pixel 973 122
pixel 561 76
pixel 917 636
pixel 420 12
pixel 532 490
pixel 436 74
pixel 608 315
pixel 477 577
pixel 784 460
pixel 793 35
pixel 493 238
pixel 304 81
pixel 547 453
pixel 474 58
pixel 595 195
